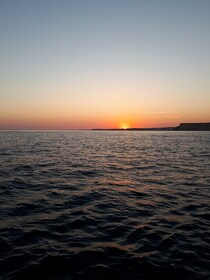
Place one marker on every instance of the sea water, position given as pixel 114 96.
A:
pixel 104 204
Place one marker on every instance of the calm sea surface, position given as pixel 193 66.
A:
pixel 104 205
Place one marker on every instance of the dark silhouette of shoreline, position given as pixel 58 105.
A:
pixel 181 127
pixel 193 127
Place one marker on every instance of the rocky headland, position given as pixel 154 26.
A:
pixel 193 127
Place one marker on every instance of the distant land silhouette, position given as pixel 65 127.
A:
pixel 181 127
pixel 193 126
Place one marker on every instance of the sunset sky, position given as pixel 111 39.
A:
pixel 78 64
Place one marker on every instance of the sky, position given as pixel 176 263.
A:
pixel 80 64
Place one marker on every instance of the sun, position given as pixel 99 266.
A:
pixel 124 126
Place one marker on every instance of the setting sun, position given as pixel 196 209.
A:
pixel 124 126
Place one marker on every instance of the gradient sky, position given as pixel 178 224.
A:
pixel 111 63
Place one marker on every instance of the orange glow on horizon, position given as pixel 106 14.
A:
pixel 52 119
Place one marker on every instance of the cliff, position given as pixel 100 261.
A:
pixel 193 126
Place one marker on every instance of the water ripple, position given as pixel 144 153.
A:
pixel 98 205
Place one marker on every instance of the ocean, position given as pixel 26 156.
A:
pixel 104 205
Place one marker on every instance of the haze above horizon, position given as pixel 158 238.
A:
pixel 108 64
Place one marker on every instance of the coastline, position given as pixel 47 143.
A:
pixel 180 127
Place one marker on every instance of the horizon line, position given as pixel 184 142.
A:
pixel 108 129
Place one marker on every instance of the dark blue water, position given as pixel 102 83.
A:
pixel 104 205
